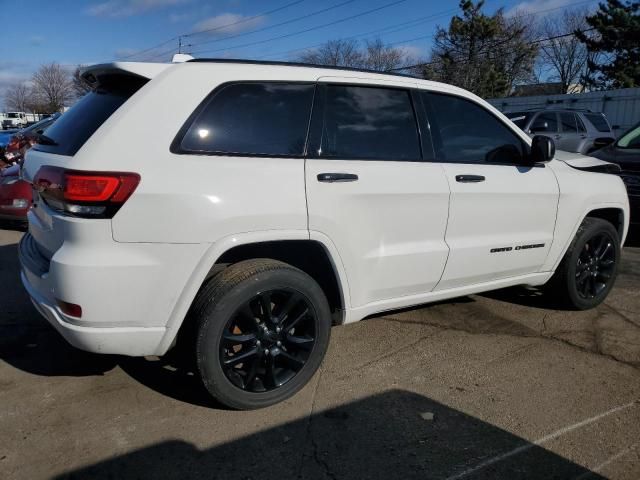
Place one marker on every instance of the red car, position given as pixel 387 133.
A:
pixel 15 195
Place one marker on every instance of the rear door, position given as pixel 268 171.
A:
pixel 570 140
pixel 502 214
pixel 370 193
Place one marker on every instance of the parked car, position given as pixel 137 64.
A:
pixel 626 153
pixel 580 131
pixel 5 137
pixel 15 195
pixel 24 139
pixel 258 203
pixel 14 120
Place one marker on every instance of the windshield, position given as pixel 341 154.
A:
pixel 12 115
pixel 519 118
pixel 631 139
pixel 69 133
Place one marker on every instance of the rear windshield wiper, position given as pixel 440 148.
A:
pixel 44 140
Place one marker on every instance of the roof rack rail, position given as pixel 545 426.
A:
pixel 295 64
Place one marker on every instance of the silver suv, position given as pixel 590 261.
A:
pixel 580 131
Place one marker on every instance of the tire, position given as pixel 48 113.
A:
pixel 262 330
pixel 589 268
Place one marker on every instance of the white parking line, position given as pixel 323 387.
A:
pixel 609 460
pixel 543 440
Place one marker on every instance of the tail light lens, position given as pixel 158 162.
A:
pixel 85 194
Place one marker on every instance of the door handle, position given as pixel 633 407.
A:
pixel 469 178
pixel 337 177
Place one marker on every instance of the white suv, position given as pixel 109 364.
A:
pixel 242 208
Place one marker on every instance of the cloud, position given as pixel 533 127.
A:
pixel 413 52
pixel 36 40
pixel 180 17
pixel 127 8
pixel 12 73
pixel 126 52
pixel 536 6
pixel 227 23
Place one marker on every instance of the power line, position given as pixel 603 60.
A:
pixel 335 22
pixel 392 29
pixel 534 42
pixel 178 37
pixel 244 20
pixel 419 21
pixel 317 12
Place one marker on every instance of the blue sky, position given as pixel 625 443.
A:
pixel 74 32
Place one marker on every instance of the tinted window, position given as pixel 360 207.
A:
pixel 598 121
pixel 581 127
pixel 76 126
pixel 568 122
pixel 253 119
pixel 545 122
pixel 465 132
pixel 369 123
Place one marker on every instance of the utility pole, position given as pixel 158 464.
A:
pixel 180 44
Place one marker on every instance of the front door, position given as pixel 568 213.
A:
pixel 370 193
pixel 502 214
pixel 570 140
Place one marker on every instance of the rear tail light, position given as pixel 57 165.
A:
pixel 85 194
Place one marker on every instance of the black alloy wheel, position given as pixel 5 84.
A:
pixel 595 265
pixel 268 340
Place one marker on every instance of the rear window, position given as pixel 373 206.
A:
pixel 252 119
pixel 70 132
pixel 598 121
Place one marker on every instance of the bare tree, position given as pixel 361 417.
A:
pixel 374 55
pixel 564 58
pixel 16 97
pixel 80 87
pixel 336 53
pixel 379 56
pixel 52 87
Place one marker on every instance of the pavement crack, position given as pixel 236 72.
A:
pixel 315 448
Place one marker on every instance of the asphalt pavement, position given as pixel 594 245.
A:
pixel 500 385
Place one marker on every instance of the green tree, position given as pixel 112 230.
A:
pixel 617 27
pixel 486 54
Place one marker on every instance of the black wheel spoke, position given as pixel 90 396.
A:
pixel 288 307
pixel 582 277
pixel 290 361
pixel 239 339
pixel 604 251
pixel 296 319
pixel 305 343
pixel 595 266
pixel 268 340
pixel 241 357
pixel 265 304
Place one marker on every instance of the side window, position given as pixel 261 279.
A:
pixel 598 121
pixel 568 122
pixel 581 127
pixel 368 123
pixel 253 119
pixel 545 122
pixel 465 132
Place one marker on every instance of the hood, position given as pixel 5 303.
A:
pixel 582 162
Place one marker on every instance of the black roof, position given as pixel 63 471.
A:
pixel 294 64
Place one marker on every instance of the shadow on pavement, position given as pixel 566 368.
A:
pixel 382 437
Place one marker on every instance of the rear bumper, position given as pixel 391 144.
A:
pixel 127 291
pixel 116 340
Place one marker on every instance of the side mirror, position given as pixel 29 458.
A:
pixel 542 149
